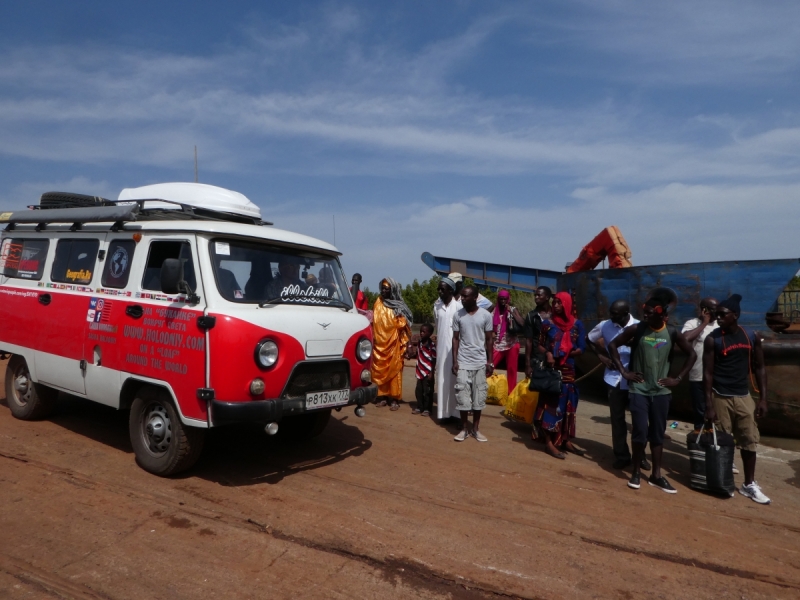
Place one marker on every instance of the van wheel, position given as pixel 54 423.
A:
pixel 162 444
pixel 305 427
pixel 27 400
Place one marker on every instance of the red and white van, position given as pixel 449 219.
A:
pixel 177 302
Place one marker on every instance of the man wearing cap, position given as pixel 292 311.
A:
pixel 483 301
pixel 444 309
pixel 729 354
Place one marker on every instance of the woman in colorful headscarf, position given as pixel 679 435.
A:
pixel 562 339
pixel 506 345
pixel 391 331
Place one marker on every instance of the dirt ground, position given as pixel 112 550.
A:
pixel 387 506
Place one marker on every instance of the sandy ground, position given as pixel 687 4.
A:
pixel 388 506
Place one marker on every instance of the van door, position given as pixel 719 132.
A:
pixel 106 317
pixel 66 315
pixel 161 338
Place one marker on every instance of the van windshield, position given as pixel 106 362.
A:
pixel 256 273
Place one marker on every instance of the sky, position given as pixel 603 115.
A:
pixel 509 132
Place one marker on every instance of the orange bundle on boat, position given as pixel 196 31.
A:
pixel 610 244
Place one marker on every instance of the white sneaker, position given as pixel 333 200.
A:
pixel 735 470
pixel 462 435
pixel 479 436
pixel 753 491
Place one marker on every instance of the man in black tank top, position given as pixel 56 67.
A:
pixel 729 353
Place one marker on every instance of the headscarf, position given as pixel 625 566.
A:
pixel 449 282
pixel 500 319
pixel 396 302
pixel 732 304
pixel 565 323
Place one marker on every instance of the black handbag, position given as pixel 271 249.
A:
pixel 545 379
pixel 711 461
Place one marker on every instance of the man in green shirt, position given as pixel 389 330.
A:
pixel 651 343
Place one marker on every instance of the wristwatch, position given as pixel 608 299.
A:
pixel 679 378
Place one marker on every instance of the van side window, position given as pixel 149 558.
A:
pixel 118 264
pixel 159 251
pixel 23 259
pixel 75 260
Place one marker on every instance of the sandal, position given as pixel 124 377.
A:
pixel 381 403
pixel 425 413
pixel 395 406
pixel 416 411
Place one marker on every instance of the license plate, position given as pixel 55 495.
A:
pixel 324 399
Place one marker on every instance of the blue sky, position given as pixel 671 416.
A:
pixel 498 131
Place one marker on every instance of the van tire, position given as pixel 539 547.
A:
pixel 162 444
pixel 305 427
pixel 27 400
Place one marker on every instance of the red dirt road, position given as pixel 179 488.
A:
pixel 388 506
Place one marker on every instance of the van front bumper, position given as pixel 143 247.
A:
pixel 268 411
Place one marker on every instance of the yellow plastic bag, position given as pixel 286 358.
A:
pixel 498 390
pixel 521 403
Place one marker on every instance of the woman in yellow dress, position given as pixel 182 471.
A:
pixel 391 331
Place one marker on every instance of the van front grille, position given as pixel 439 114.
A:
pixel 317 376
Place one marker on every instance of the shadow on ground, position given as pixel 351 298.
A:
pixel 232 456
pixel 244 455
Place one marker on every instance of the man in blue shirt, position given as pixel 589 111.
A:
pixel 617 386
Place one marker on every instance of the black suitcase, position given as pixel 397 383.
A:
pixel 711 461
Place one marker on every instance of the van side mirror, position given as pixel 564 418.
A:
pixel 172 281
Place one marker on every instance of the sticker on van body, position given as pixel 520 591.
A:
pixel 99 310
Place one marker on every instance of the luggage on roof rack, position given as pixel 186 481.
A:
pixel 70 200
pixel 115 213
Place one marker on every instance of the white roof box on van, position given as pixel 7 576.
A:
pixel 199 195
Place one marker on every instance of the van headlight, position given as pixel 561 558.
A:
pixel 266 353
pixel 364 349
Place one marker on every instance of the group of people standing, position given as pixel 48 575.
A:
pixel 471 341
pixel 721 356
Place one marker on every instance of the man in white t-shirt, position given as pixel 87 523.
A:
pixel 695 331
pixel 617 386
pixel 473 338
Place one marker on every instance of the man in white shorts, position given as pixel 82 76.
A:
pixel 473 337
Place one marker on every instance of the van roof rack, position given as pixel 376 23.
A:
pixel 66 207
